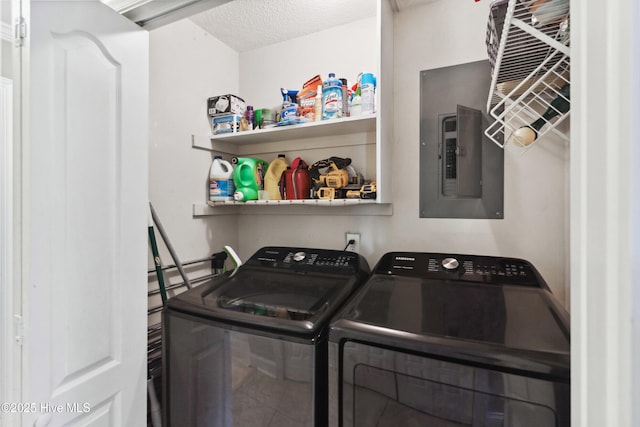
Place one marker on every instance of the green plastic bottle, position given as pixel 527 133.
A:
pixel 248 177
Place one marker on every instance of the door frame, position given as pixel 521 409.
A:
pixel 10 225
pixel 605 213
pixel 7 378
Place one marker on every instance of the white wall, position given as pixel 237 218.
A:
pixel 264 71
pixel 535 225
pixel 187 66
pixel 289 64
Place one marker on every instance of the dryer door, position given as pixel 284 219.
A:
pixel 220 375
pixel 383 387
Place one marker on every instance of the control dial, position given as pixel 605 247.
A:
pixel 450 263
pixel 299 256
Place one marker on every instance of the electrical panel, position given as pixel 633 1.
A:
pixel 461 170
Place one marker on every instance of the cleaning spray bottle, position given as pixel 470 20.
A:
pixel 355 108
pixel 331 98
pixel 317 106
pixel 368 91
pixel 345 97
pixel 273 175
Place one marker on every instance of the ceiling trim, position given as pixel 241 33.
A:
pixel 151 14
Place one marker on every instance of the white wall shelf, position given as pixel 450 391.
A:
pixel 328 134
pixel 294 207
pixel 366 139
pixel 326 128
pixel 297 145
pixel 309 202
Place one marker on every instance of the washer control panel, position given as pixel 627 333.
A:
pixel 472 268
pixel 311 260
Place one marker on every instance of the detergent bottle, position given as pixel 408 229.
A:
pixel 273 175
pixel 331 98
pixel 221 187
pixel 248 177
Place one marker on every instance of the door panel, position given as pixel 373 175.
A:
pixel 87 80
pixel 87 220
pixel 469 152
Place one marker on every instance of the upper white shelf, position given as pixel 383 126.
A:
pixel 327 128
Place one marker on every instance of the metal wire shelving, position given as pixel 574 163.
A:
pixel 528 46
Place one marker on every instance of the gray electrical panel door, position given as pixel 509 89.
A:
pixel 461 158
pixel 469 152
pixel 461 170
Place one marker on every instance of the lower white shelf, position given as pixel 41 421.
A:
pixel 294 207
pixel 308 202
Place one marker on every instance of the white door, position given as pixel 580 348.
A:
pixel 85 212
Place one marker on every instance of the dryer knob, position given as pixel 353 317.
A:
pixel 450 263
pixel 299 256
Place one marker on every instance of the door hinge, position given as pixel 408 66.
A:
pixel 18 329
pixel 20 31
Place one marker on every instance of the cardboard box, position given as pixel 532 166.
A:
pixel 225 104
pixel 306 98
pixel 227 123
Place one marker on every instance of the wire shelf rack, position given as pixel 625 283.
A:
pixel 528 48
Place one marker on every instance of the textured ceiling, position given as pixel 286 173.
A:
pixel 250 24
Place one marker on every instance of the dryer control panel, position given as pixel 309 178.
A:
pixel 471 268
pixel 309 260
